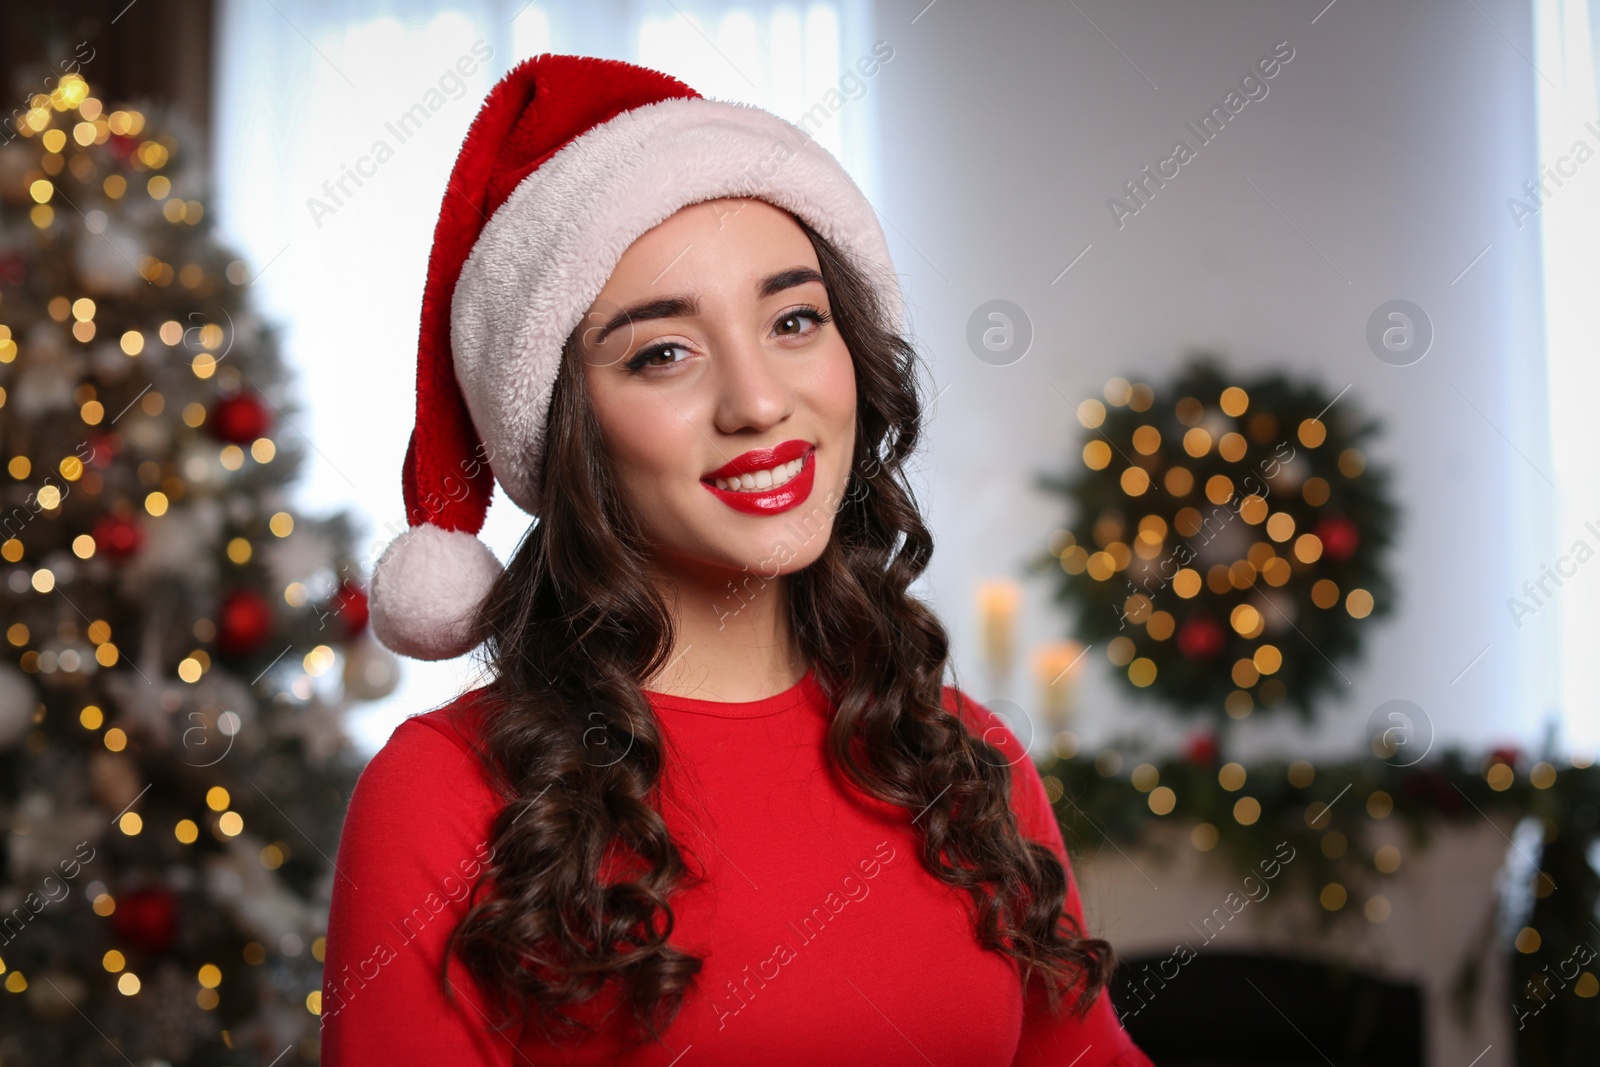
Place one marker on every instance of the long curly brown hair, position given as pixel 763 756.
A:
pixel 573 626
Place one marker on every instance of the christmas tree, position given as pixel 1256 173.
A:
pixel 179 645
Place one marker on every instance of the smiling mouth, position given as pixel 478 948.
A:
pixel 766 490
pixel 761 480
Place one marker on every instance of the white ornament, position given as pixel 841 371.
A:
pixel 146 700
pixel 222 721
pixel 180 544
pixel 48 373
pixel 297 558
pixel 18 699
pixel 1277 610
pixel 371 671
pixel 150 434
pixel 1217 425
pixel 318 724
pixel 256 897
pixel 201 465
pixel 107 261
pixel 55 838
pixel 109 361
pixel 1290 475
pixel 1225 538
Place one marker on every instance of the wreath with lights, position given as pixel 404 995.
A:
pixel 1227 538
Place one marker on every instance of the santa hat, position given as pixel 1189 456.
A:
pixel 569 161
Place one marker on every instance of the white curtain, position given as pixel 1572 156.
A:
pixel 1569 219
pixel 329 180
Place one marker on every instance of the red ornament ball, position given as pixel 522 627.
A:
pixel 117 536
pixel 1201 637
pixel 13 269
pixel 1339 537
pixel 103 449
pixel 244 622
pixel 1202 750
pixel 147 919
pixel 350 604
pixel 1510 755
pixel 1426 785
pixel 238 420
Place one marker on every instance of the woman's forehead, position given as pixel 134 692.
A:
pixel 718 244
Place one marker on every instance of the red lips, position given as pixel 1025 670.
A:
pixel 760 459
pixel 767 501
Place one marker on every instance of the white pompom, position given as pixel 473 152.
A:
pixel 426 590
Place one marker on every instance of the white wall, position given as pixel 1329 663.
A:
pixel 1390 143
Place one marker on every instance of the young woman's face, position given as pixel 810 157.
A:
pixel 718 364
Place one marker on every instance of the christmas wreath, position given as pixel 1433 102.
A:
pixel 1226 540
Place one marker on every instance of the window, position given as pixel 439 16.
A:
pixel 1568 202
pixel 793 61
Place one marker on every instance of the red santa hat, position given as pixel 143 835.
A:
pixel 569 161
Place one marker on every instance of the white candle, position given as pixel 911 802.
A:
pixel 997 609
pixel 1055 666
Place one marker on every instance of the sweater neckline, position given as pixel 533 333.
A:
pixel 806 690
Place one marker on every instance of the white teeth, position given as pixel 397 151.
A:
pixel 762 479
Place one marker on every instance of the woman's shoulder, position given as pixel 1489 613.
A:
pixel 1029 798
pixel 417 838
pixel 433 756
pixel 983 723
pixel 421 805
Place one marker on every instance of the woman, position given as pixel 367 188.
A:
pixel 715 804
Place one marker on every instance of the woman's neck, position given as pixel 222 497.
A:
pixel 733 638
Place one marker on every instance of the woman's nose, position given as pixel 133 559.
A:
pixel 752 389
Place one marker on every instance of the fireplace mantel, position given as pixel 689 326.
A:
pixel 1148 900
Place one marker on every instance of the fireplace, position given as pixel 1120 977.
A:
pixel 1208 976
pixel 1303 1012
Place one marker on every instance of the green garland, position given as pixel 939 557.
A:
pixel 1326 813
pixel 1226 540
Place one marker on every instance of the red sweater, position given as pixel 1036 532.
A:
pixel 824 939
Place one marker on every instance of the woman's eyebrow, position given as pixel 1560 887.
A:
pixel 672 307
pixel 787 279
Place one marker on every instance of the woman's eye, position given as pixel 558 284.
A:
pixel 651 357
pixel 798 316
pixel 789 324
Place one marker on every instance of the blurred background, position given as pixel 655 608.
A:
pixel 1260 342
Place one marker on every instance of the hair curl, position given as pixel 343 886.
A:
pixel 569 738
